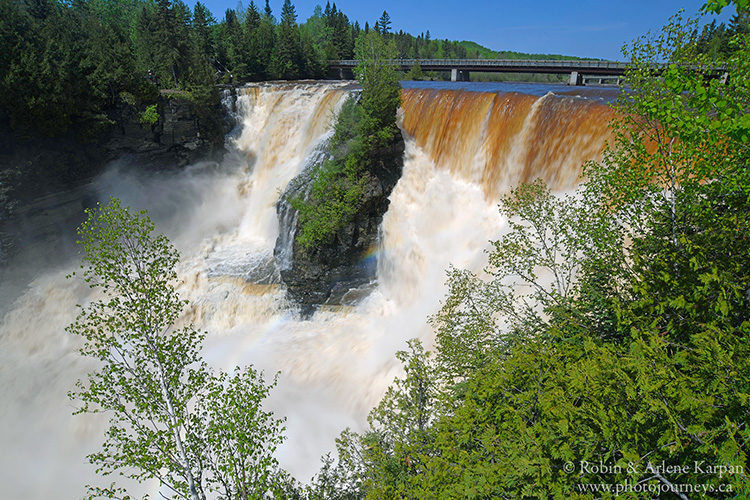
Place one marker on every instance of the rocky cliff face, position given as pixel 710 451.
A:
pixel 184 134
pixel 42 178
pixel 339 273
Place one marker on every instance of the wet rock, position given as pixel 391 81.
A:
pixel 343 271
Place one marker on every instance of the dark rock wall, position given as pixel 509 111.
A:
pixel 43 180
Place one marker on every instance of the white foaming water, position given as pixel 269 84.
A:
pixel 334 367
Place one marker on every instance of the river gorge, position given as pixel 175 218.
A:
pixel 465 147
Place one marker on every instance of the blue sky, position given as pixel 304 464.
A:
pixel 585 28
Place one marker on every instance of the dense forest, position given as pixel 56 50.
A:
pixel 64 64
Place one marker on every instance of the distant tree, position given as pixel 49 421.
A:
pixel 740 22
pixel 40 9
pixel 339 34
pixel 168 41
pixel 415 73
pixel 232 39
pixel 202 33
pixel 106 61
pixel 252 18
pixel 251 43
pixel 316 37
pixel 381 91
pixel 287 51
pixel 40 88
pixel 266 40
pixel 384 23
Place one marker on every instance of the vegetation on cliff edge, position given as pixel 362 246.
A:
pixel 365 127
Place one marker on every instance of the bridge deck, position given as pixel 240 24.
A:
pixel 503 65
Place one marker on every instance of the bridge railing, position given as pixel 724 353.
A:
pixel 452 63
pixel 513 65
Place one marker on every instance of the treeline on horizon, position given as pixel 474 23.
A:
pixel 67 64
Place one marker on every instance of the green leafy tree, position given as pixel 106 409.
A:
pixel 380 462
pixel 716 6
pixel 232 39
pixel 340 39
pixel 415 73
pixel 381 91
pixel 315 35
pixel 202 33
pixel 252 43
pixel 170 418
pixel 266 39
pixel 107 62
pixel 168 40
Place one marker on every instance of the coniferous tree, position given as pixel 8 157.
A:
pixel 266 39
pixel 40 9
pixel 251 42
pixel 740 22
pixel 203 34
pixel 232 38
pixel 287 52
pixel 384 23
pixel 317 47
pixel 340 33
pixel 183 22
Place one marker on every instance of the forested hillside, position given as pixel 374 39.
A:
pixel 65 64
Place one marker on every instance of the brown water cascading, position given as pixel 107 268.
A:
pixel 502 139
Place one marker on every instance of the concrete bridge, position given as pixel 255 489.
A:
pixel 460 68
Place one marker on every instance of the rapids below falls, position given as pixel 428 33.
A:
pixel 464 149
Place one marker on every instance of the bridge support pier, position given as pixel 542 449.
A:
pixel 575 78
pixel 458 75
pixel 346 74
pixel 340 74
pixel 724 78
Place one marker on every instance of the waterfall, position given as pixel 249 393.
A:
pixel 464 149
pixel 501 140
